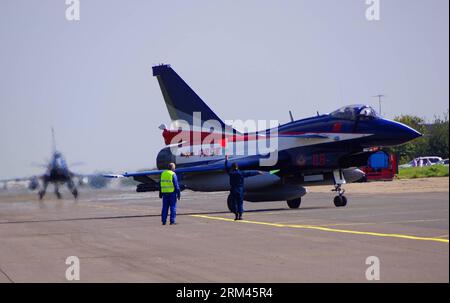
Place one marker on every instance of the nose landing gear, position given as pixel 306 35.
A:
pixel 58 194
pixel 43 190
pixel 340 200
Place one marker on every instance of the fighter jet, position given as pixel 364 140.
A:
pixel 57 173
pixel 324 149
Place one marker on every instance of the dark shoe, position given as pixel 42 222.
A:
pixel 164 223
pixel 173 223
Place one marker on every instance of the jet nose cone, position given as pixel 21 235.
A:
pixel 411 134
pixel 395 133
pixel 406 133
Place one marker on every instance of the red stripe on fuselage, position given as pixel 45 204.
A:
pixel 196 137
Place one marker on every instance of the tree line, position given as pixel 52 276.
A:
pixel 434 141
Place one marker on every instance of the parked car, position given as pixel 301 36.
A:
pixel 422 161
pixel 443 162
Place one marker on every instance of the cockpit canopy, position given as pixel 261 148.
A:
pixel 58 160
pixel 352 112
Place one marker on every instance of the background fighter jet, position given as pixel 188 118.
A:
pixel 57 173
pixel 325 149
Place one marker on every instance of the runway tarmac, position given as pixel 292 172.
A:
pixel 118 237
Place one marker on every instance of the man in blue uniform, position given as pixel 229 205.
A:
pixel 170 193
pixel 237 187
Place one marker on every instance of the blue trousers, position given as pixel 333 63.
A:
pixel 238 200
pixel 169 201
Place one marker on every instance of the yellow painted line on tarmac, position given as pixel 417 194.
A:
pixel 376 223
pixel 321 228
pixel 443 236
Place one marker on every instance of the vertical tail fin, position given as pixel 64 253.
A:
pixel 53 141
pixel 180 99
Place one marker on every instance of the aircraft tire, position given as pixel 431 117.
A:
pixel 340 201
pixel 295 203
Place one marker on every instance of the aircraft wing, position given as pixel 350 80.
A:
pixel 244 163
pixel 19 179
pixel 81 176
pixel 192 169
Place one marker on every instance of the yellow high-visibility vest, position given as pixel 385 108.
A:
pixel 167 181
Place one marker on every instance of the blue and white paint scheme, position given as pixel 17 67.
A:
pixel 324 149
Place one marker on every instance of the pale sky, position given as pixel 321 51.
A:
pixel 92 81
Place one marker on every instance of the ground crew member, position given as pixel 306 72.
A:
pixel 170 193
pixel 237 187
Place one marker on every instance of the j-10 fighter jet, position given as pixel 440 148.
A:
pixel 319 150
pixel 57 173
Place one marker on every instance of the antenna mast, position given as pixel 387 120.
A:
pixel 379 102
pixel 291 116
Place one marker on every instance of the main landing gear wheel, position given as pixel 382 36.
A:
pixel 230 204
pixel 340 201
pixel 295 203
